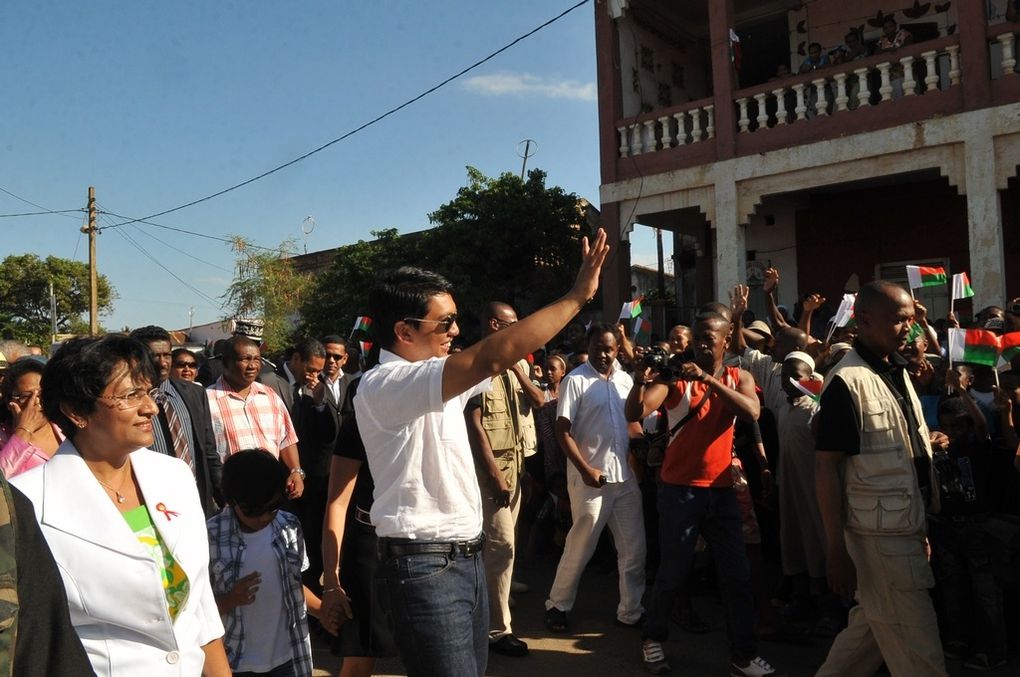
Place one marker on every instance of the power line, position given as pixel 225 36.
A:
pixel 167 244
pixel 48 211
pixel 174 275
pixel 39 206
pixel 130 220
pixel 363 126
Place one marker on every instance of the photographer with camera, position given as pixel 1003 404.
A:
pixel 702 399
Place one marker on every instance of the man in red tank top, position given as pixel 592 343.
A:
pixel 696 492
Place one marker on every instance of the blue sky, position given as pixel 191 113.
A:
pixel 157 104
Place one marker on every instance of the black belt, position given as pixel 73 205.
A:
pixel 400 547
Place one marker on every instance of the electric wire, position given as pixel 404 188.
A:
pixel 48 211
pixel 366 125
pixel 167 244
pixel 38 206
pixel 130 220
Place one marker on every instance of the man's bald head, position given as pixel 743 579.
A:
pixel 884 313
pixel 717 308
pixel 878 296
pixel 788 339
pixel 498 315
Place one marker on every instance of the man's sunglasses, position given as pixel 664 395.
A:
pixel 443 325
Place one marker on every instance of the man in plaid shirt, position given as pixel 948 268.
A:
pixel 249 415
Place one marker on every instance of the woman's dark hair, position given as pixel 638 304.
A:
pixel 79 371
pixel 253 478
pixel 400 294
pixel 10 382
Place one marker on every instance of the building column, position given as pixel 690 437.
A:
pixel 614 285
pixel 610 100
pixel 720 21
pixel 984 218
pixel 730 248
pixel 972 19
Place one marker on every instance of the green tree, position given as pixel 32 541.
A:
pixel 507 239
pixel 340 294
pixel 25 296
pixel 267 287
pixel 501 238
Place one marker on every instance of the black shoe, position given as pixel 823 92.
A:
pixel 508 645
pixel 639 623
pixel 556 621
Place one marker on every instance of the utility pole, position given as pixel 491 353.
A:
pixel 93 274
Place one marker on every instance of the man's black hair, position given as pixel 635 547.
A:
pixel 310 348
pixel 253 478
pixel 81 369
pixel 600 328
pixel 400 294
pixel 333 338
pixel 151 333
pixel 232 345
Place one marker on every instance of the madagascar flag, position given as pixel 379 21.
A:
pixel 1009 346
pixel 635 307
pixel 809 387
pixel 961 286
pixel 923 276
pixel 916 330
pixel 975 346
pixel 362 322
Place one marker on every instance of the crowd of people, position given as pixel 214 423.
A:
pixel 210 516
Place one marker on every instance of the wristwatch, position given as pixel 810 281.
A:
pixel 299 471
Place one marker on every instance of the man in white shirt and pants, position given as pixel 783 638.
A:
pixel 593 432
pixel 427 511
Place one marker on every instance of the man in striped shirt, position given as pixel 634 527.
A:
pixel 249 415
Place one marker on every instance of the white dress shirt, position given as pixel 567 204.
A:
pixel 418 451
pixel 593 404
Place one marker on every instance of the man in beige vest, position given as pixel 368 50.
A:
pixel 502 433
pixel 874 481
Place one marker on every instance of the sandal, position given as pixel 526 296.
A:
pixel 556 620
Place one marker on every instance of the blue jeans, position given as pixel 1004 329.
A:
pixel 285 670
pixel 440 613
pixel 684 512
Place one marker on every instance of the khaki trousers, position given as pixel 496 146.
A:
pixel 499 526
pixel 895 619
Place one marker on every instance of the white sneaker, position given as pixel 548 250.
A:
pixel 654 657
pixel 758 667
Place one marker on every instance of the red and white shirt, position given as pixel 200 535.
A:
pixel 258 421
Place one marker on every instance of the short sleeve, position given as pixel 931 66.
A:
pixel 837 420
pixel 393 395
pixel 570 397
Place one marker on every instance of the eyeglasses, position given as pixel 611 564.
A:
pixel 503 323
pixel 186 365
pixel 134 398
pixel 443 325
pixel 335 357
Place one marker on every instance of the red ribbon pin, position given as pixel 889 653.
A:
pixel 169 514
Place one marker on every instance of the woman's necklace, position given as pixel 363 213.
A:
pixel 120 497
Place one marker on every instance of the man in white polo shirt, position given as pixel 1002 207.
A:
pixel 427 511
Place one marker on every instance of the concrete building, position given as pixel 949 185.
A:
pixel 837 175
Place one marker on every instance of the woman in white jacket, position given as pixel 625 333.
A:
pixel 124 523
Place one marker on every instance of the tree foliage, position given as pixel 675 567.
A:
pixel 499 239
pixel 266 287
pixel 25 296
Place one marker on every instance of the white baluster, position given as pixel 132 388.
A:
pixel 710 113
pixel 954 65
pixel 1008 59
pixel 649 135
pixel 624 141
pixel 801 108
pixel 886 88
pixel 681 127
pixel 635 139
pixel 695 125
pixel 744 121
pixel 909 84
pixel 780 95
pixel 821 103
pixel 931 78
pixel 863 88
pixel 841 97
pixel 763 116
pixel 667 133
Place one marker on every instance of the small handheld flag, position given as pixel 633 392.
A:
pixel 961 287
pixel 809 387
pixel 1009 348
pixel 975 346
pixel 635 307
pixel 925 276
pixel 361 323
pixel 625 311
pixel 642 330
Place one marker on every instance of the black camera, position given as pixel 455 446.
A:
pixel 666 365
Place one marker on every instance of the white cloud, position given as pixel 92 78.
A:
pixel 522 84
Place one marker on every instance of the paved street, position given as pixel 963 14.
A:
pixel 596 646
